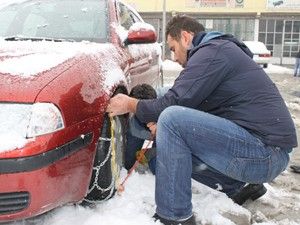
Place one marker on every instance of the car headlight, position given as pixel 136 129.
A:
pixel 20 122
pixel 45 118
pixel 14 120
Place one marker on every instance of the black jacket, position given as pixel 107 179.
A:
pixel 221 79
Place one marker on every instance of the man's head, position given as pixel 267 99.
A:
pixel 180 31
pixel 143 91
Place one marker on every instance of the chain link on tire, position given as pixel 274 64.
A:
pixel 108 161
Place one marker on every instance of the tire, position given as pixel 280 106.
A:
pixel 265 65
pixel 107 166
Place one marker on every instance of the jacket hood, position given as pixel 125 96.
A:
pixel 202 38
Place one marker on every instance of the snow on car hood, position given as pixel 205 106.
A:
pixel 31 58
pixel 27 67
pixel 31 65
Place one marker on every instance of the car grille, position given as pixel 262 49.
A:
pixel 13 202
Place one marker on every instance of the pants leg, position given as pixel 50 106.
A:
pixel 184 133
pixel 297 67
pixel 133 145
pixel 212 178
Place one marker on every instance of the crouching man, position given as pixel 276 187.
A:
pixel 223 122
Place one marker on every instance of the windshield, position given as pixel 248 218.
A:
pixel 76 20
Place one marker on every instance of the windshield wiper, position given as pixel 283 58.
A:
pixel 21 38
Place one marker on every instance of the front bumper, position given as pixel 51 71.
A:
pixel 35 162
pixel 32 185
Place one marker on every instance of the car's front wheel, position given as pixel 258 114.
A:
pixel 265 65
pixel 108 160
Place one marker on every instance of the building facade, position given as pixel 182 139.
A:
pixel 273 22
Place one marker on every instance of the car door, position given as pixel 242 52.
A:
pixel 144 66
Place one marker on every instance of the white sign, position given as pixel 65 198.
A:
pixel 215 3
pixel 290 4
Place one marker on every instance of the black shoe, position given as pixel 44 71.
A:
pixel 295 169
pixel 250 191
pixel 189 221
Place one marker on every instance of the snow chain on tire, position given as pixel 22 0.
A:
pixel 107 142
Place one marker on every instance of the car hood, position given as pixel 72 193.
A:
pixel 26 67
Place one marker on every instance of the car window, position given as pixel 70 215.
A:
pixel 125 16
pixel 62 19
pixel 135 18
pixel 5 19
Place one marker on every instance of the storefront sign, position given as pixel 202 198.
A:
pixel 215 3
pixel 288 4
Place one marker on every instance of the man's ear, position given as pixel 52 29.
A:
pixel 186 38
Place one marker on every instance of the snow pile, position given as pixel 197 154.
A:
pixel 278 69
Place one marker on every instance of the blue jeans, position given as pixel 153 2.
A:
pixel 214 151
pixel 297 67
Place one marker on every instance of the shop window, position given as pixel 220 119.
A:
pixel 262 25
pixel 296 27
pixel 279 26
pixel 278 38
pixel 288 26
pixel 270 26
pixel 262 37
pixel 270 38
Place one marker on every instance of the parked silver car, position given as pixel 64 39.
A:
pixel 261 55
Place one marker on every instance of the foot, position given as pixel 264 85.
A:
pixel 189 221
pixel 250 191
pixel 295 169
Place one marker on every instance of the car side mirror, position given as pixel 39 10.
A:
pixel 141 33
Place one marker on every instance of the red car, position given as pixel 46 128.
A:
pixel 60 63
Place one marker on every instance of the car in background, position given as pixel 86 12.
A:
pixel 261 55
pixel 60 63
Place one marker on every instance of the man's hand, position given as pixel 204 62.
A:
pixel 152 127
pixel 121 104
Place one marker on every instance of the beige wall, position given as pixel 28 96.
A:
pixel 246 6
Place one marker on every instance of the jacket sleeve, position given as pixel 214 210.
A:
pixel 204 71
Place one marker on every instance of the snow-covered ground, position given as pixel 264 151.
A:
pixel 135 206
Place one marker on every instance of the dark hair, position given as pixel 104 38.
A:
pixel 143 91
pixel 183 23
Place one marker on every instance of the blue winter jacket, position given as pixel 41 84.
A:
pixel 220 78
